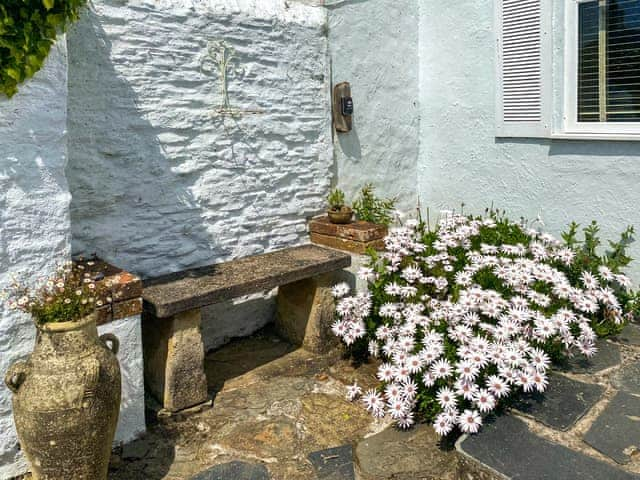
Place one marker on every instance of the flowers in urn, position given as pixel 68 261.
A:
pixel 70 294
pixel 464 316
pixel 66 394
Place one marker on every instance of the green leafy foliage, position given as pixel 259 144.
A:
pixel 370 208
pixel 590 257
pixel 336 199
pixel 28 29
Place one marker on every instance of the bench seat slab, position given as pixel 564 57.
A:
pixel 171 294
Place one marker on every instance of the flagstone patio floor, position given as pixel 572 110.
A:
pixel 279 413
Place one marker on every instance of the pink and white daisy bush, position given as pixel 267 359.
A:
pixel 463 316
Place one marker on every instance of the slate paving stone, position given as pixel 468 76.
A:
pixel 608 356
pixel 507 445
pixel 563 404
pixel 415 454
pixel 616 432
pixel 630 335
pixel 235 471
pixel 334 463
pixel 628 379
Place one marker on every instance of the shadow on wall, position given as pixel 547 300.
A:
pixel 331 4
pixel 350 144
pixel 588 148
pixel 159 183
pixel 118 173
pixel 595 148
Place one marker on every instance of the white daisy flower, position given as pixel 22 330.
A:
pixel 353 391
pixel 469 421
pixel 442 425
pixel 447 398
pixel 441 369
pixel 484 400
pixel 386 372
pixel 497 386
pixel 340 290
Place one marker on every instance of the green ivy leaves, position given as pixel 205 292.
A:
pixel 28 29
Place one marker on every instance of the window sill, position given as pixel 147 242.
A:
pixel 611 137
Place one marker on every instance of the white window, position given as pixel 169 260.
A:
pixel 602 90
pixel 601 73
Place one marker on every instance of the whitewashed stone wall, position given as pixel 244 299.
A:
pixel 34 213
pixel 161 184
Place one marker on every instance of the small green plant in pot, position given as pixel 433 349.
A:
pixel 66 395
pixel 338 212
pixel 370 208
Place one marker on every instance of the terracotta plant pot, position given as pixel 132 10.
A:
pixel 66 401
pixel 342 216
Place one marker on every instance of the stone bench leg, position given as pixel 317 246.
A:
pixel 174 360
pixel 306 312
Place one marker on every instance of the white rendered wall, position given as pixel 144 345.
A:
pixel 34 214
pixel 374 46
pixel 462 161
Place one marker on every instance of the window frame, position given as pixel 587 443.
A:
pixel 570 115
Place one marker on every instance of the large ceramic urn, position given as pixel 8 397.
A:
pixel 66 401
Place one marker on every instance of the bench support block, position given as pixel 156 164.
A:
pixel 306 312
pixel 174 360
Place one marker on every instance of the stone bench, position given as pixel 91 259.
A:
pixel 173 347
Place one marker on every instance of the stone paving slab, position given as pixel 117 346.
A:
pixel 334 463
pixel 563 404
pixel 616 432
pixel 608 356
pixel 234 471
pixel 506 445
pixel 399 455
pixel 628 379
pixel 630 335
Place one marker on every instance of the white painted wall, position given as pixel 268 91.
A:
pixel 374 46
pixel 131 424
pixel 462 161
pixel 236 318
pixel 34 213
pixel 159 184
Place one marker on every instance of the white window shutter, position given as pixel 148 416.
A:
pixel 524 68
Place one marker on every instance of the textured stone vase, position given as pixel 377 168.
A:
pixel 66 401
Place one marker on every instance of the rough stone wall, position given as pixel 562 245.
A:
pixel 34 213
pixel 461 160
pixel 374 46
pixel 159 182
